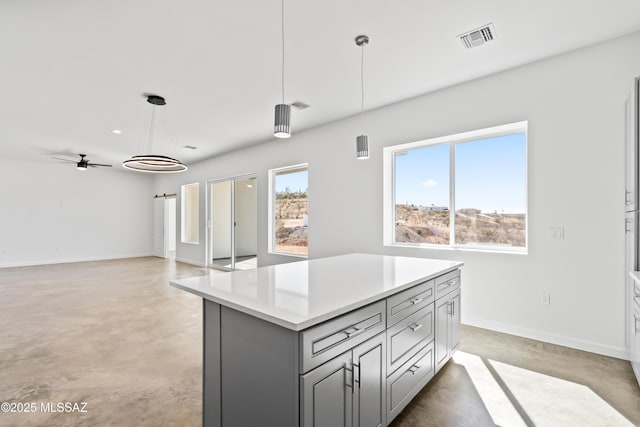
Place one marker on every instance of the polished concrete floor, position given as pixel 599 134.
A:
pixel 115 335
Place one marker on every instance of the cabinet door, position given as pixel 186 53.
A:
pixel 635 342
pixel 369 391
pixel 326 397
pixel 442 332
pixel 455 321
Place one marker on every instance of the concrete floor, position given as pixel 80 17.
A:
pixel 115 335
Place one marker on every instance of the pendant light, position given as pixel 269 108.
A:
pixel 282 127
pixel 362 141
pixel 155 163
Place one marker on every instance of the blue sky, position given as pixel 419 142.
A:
pixel 296 181
pixel 490 175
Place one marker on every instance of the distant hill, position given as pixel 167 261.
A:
pixel 417 225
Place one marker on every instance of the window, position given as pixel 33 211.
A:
pixel 467 191
pixel 289 210
pixel 190 210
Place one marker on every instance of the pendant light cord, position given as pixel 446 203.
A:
pixel 362 78
pixel 282 20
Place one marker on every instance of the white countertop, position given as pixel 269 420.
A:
pixel 301 294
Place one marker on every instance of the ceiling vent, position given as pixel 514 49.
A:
pixel 299 105
pixel 478 37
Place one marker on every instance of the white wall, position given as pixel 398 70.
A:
pixel 246 211
pixel 575 107
pixel 221 219
pixel 170 211
pixel 52 213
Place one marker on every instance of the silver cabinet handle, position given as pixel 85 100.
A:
pixel 453 308
pixel 449 308
pixel 356 331
pixel 628 222
pixel 355 365
pixel 349 383
pixel 416 300
pixel 414 369
pixel 415 326
pixel 627 198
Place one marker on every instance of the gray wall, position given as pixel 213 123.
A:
pixel 575 107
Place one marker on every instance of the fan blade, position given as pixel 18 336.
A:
pixel 65 160
pixel 97 164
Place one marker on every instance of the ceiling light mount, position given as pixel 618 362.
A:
pixel 362 40
pixel 156 100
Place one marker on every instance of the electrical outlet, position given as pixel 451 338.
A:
pixel 556 233
pixel 545 299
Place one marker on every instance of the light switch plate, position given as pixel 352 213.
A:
pixel 556 233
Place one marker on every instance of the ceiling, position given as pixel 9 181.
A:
pixel 73 70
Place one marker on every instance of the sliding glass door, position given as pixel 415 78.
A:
pixel 232 223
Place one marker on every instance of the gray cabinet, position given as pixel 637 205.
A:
pixel 634 333
pixel 447 331
pixel 348 390
pixel 327 394
pixel 360 368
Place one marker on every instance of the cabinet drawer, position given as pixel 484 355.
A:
pixel 407 302
pixel 408 335
pixel 447 283
pixel 332 338
pixel 405 383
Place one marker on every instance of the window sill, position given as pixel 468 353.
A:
pixel 492 250
pixel 291 255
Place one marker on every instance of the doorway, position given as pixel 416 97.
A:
pixel 233 224
pixel 164 226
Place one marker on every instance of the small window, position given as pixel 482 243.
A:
pixel 466 191
pixel 289 210
pixel 190 210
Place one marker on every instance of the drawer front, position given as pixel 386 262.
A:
pixel 407 302
pixel 332 338
pixel 447 283
pixel 408 335
pixel 404 384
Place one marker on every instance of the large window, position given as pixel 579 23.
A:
pixel 466 190
pixel 289 225
pixel 190 212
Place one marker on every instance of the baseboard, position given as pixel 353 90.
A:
pixel 190 262
pixel 606 350
pixel 70 260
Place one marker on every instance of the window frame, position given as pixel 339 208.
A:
pixel 272 202
pixel 183 216
pixel 389 189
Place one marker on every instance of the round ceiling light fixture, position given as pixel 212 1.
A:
pixel 155 163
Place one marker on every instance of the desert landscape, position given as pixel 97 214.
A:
pixel 291 213
pixel 419 224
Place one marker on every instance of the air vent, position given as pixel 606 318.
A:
pixel 190 147
pixel 478 37
pixel 299 105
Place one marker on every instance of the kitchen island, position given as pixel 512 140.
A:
pixel 339 341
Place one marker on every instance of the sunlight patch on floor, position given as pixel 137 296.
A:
pixel 517 397
pixel 495 400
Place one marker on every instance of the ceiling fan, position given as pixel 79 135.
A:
pixel 83 164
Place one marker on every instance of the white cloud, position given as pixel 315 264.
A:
pixel 430 183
